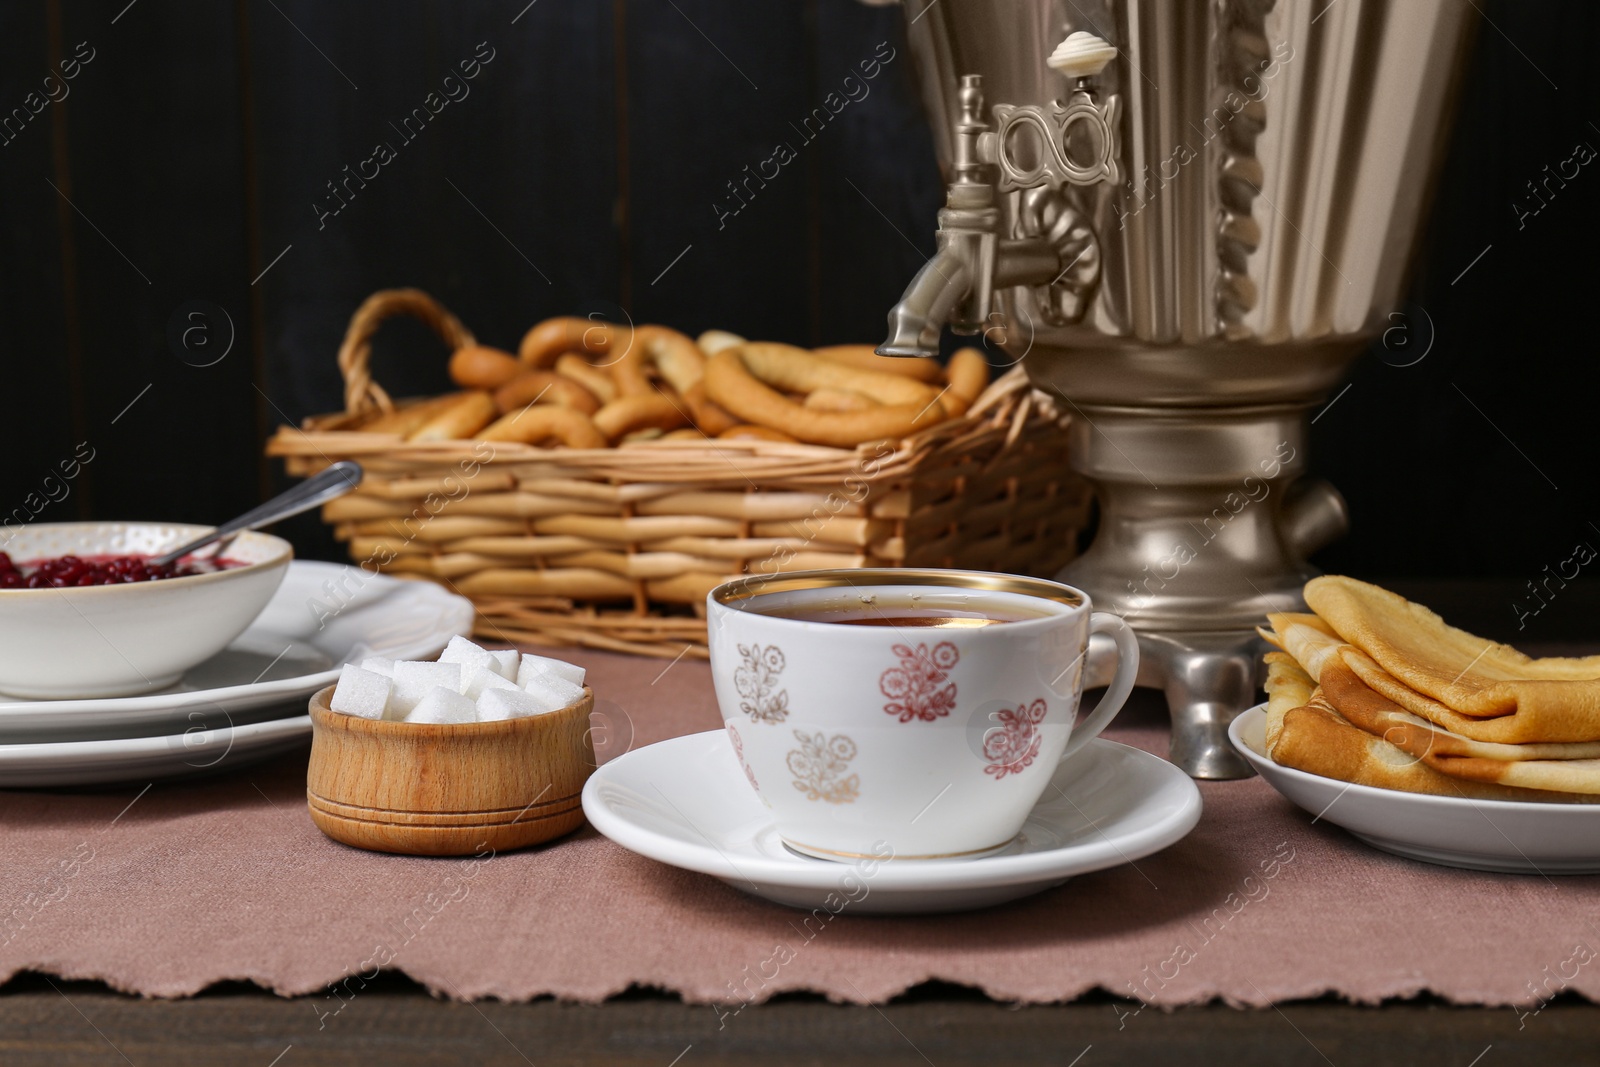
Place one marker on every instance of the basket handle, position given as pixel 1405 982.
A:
pixel 361 393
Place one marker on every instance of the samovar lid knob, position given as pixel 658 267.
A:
pixel 1081 55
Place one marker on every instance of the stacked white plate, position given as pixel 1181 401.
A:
pixel 247 702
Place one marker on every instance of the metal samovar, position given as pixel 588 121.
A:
pixel 1185 218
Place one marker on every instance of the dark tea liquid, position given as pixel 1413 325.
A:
pixel 902 611
pixel 933 620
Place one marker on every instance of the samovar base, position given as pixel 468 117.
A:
pixel 1206 518
pixel 1208 678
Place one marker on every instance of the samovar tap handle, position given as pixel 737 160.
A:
pixel 1053 157
pixel 1072 143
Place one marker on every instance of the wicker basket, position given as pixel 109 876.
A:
pixel 616 548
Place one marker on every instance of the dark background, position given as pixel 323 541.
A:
pixel 189 157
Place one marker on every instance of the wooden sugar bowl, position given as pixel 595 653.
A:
pixel 448 790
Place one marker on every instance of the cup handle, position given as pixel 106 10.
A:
pixel 1101 622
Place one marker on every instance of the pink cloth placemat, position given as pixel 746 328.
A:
pixel 203 881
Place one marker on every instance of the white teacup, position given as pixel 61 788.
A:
pixel 934 739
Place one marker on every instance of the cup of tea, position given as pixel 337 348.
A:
pixel 922 710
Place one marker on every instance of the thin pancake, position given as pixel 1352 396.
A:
pixel 1548 767
pixel 1377 714
pixel 1313 647
pixel 1409 649
pixel 1288 687
pixel 1317 740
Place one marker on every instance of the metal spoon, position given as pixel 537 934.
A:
pixel 336 481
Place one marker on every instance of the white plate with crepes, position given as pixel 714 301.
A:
pixel 686 802
pixel 1505 836
pixel 322 616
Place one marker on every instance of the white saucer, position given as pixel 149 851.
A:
pixel 686 802
pixel 134 759
pixel 1507 836
pixel 323 615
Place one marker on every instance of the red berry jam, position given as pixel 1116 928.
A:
pixel 64 571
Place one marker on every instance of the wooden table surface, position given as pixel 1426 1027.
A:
pixel 49 1023
pixel 45 1021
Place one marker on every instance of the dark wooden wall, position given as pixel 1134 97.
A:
pixel 189 160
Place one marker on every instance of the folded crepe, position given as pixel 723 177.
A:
pixel 1288 687
pixel 1351 729
pixel 1337 667
pixel 1532 766
pixel 1468 685
pixel 1317 739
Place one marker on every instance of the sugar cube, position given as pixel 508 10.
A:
pixel 445 674
pixel 360 692
pixel 533 666
pixel 530 668
pixel 464 652
pixel 512 703
pixel 480 679
pixel 553 691
pixel 403 697
pixel 506 662
pixel 441 705
pixel 379 665
pixel 570 671
pixel 467 684
pixel 541 702
pixel 412 682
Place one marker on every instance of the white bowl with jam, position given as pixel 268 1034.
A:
pixel 101 622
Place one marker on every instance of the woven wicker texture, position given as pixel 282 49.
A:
pixel 617 547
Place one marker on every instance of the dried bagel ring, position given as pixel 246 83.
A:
pixel 464 415
pixel 553 338
pixel 679 360
pixel 794 370
pixel 968 375
pixel 403 420
pixel 713 341
pixel 482 367
pixel 923 370
pixel 730 382
pixel 688 433
pixel 749 431
pixel 542 422
pixel 544 386
pixel 586 374
pixel 642 411
pixel 711 417
pixel 830 399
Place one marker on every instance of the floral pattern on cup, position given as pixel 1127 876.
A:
pixel 819 764
pixel 738 751
pixel 1011 746
pixel 916 688
pixel 756 680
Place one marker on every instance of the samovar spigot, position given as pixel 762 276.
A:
pixel 1033 152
